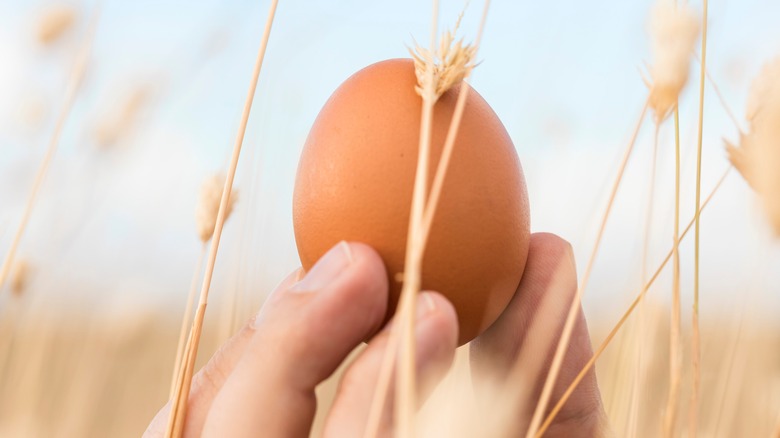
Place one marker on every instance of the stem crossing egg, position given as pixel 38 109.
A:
pixel 355 181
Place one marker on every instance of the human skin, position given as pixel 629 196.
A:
pixel 261 382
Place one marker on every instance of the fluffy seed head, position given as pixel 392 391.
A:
pixel 452 62
pixel 20 274
pixel 208 207
pixel 764 89
pixel 758 156
pixel 53 23
pixel 674 30
pixel 117 122
pixel 738 155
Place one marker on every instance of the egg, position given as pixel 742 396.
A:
pixel 355 181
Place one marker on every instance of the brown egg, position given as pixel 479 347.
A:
pixel 355 181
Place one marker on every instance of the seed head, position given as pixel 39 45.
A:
pixel 764 91
pixel 117 122
pixel 53 23
pixel 20 274
pixel 674 30
pixel 757 157
pixel 739 155
pixel 208 207
pixel 452 62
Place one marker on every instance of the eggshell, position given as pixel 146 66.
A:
pixel 355 181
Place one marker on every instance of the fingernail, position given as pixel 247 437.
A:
pixel 327 269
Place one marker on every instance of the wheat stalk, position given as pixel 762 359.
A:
pixel 696 335
pixel 719 95
pixel 571 318
pixel 436 72
pixel 179 405
pixel 675 362
pixel 452 131
pixel 205 222
pixel 674 30
pixel 632 422
pixel 733 347
pixel 616 328
pixel 185 322
pixel 405 383
pixel 71 91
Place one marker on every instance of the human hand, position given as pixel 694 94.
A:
pixel 527 333
pixel 262 381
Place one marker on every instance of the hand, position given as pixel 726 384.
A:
pixel 529 329
pixel 262 381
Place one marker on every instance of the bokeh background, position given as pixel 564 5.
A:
pixel 113 234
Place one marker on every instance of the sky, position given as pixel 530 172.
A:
pixel 117 223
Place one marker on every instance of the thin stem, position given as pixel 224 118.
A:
pixel 720 97
pixel 452 133
pixel 383 383
pixel 178 393
pixel 633 418
pixel 186 381
pixel 179 412
pixel 378 400
pixel 405 384
pixel 696 334
pixel 185 321
pixel 563 343
pixel 71 91
pixel 622 320
pixel 729 368
pixel 675 345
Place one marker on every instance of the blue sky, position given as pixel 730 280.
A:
pixel 562 76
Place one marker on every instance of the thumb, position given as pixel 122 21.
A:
pixel 522 343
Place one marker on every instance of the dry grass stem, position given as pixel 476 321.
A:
pixel 720 97
pixel 626 314
pixel 674 29
pixel 437 71
pixel 77 75
pixel 208 205
pixel 53 22
pixel 649 384
pixel 571 318
pixel 185 321
pixel 412 276
pixel 693 419
pixel 382 384
pixel 675 345
pixel 726 381
pixel 532 357
pixel 633 415
pixel 452 133
pixel 179 406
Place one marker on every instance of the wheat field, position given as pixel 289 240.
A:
pixel 117 132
